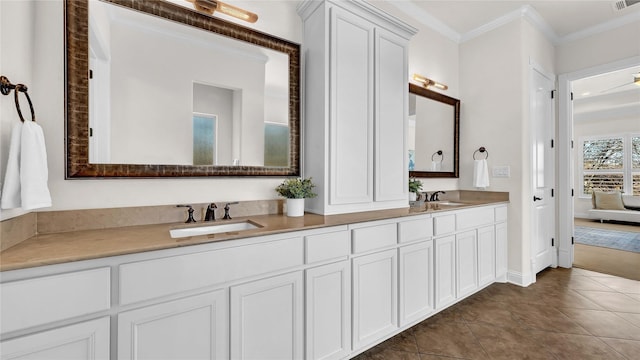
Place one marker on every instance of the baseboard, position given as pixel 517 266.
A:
pixel 516 278
pixel 581 216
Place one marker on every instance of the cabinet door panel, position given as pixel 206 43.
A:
pixel 374 297
pixel 486 255
pixel 351 125
pixel 390 117
pixel 416 281
pixel 328 310
pixel 466 263
pixel 267 318
pixel 191 328
pixel 84 341
pixel 501 251
pixel 445 261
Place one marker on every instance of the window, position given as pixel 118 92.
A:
pixel 611 163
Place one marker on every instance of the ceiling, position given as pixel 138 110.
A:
pixel 561 20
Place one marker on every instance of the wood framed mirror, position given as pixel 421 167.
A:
pixel 434 134
pixel 242 159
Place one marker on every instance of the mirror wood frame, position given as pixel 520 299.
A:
pixel 77 94
pixel 436 96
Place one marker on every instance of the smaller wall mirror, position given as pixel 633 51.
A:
pixel 434 133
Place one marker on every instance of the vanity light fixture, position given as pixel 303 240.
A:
pixel 426 82
pixel 210 6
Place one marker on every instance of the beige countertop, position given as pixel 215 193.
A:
pixel 56 248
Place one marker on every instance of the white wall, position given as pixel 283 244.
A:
pixel 494 73
pixel 16 63
pixel 616 44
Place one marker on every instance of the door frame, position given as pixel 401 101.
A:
pixel 536 67
pixel 566 154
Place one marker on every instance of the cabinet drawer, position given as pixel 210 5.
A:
pixel 413 230
pixel 444 224
pixel 38 301
pixel 469 219
pixel 326 246
pixel 155 278
pixel 501 213
pixel 374 237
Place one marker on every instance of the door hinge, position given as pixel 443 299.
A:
pixel 552 143
pixel 553 93
pixel 572 144
pixel 552 241
pixel 571 192
pixel 552 193
pixel 90 132
pixel 90 74
pixel 571 96
pixel 572 240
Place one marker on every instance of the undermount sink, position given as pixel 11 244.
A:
pixel 213 229
pixel 448 203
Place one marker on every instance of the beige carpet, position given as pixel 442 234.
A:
pixel 609 261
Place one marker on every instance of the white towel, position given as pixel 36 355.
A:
pixel 11 186
pixel 480 173
pixel 34 172
pixel 436 166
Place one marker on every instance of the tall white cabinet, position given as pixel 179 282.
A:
pixel 356 125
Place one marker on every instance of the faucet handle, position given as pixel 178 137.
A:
pixel 190 219
pixel 226 210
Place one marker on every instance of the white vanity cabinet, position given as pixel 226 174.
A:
pixel 194 327
pixel 470 252
pixel 374 297
pixel 327 293
pixel 356 106
pixel 61 304
pixel 87 340
pixel 445 271
pixel 328 311
pixel 416 269
pixel 267 318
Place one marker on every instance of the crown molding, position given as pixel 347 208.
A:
pixel 414 11
pixel 526 12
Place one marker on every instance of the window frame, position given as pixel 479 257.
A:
pixel 627 170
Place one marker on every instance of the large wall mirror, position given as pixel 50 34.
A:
pixel 156 89
pixel 434 133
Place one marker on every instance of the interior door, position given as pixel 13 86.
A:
pixel 543 163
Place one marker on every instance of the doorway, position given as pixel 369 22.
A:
pixel 599 108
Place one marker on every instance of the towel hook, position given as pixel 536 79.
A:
pixel 5 88
pixel 481 150
pixel 439 152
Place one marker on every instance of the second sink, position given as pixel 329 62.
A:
pixel 213 229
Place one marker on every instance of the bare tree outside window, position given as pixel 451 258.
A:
pixel 607 167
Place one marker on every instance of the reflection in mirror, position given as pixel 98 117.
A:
pixel 194 96
pixel 433 133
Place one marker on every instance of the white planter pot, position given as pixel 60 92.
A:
pixel 295 207
pixel 413 196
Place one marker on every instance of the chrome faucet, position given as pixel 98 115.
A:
pixel 434 196
pixel 210 215
pixel 226 210
pixel 190 219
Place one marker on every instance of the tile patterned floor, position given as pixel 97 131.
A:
pixel 566 314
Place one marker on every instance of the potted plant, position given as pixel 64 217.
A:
pixel 296 190
pixel 415 185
